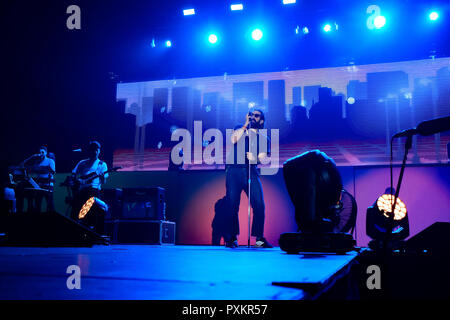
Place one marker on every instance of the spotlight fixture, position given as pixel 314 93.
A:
pixel 304 30
pixel 314 185
pixel 433 16
pixel 189 12
pixel 212 38
pixel 384 204
pixel 327 28
pixel 237 7
pixel 379 22
pixel 257 34
pixel 289 1
pixel 92 202
pixel 383 225
pixel 168 43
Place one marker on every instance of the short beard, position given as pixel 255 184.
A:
pixel 256 125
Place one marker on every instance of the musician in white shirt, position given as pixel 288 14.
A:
pixel 90 173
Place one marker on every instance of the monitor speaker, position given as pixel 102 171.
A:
pixel 434 239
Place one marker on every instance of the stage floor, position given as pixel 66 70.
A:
pixel 166 273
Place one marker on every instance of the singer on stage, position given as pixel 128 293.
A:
pixel 237 179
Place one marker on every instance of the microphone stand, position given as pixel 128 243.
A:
pixel 408 145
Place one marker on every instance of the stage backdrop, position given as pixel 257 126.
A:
pixel 350 112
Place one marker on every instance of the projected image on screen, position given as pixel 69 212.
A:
pixel 348 112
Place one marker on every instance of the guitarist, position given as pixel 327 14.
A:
pixel 89 175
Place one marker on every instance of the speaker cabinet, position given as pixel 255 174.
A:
pixel 144 203
pixel 141 231
pixel 434 239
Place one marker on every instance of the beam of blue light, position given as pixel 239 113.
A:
pixel 189 12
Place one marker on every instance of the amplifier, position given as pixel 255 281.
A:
pixel 113 198
pixel 143 203
pixel 141 231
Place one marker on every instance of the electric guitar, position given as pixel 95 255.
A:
pixel 83 180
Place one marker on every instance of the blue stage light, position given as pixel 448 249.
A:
pixel 379 22
pixel 433 16
pixel 305 30
pixel 257 34
pixel 212 38
pixel 235 7
pixel 327 28
pixel 168 43
pixel 189 12
pixel 289 1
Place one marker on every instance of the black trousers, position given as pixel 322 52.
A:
pixel 236 182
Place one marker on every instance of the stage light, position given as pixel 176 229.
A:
pixel 327 28
pixel 380 221
pixel 89 204
pixel 314 185
pixel 305 30
pixel 384 204
pixel 168 43
pixel 212 38
pixel 379 22
pixel 236 7
pixel 289 1
pixel 188 12
pixel 172 129
pixel 153 44
pixel 433 16
pixel 257 34
pixel 351 100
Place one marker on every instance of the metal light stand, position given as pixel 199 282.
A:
pixel 408 145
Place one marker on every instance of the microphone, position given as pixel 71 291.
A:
pixel 405 133
pixel 426 128
pixel 77 150
pixel 429 127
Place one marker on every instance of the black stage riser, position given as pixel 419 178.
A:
pixel 46 229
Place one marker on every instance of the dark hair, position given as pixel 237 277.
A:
pixel 43 148
pixel 94 145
